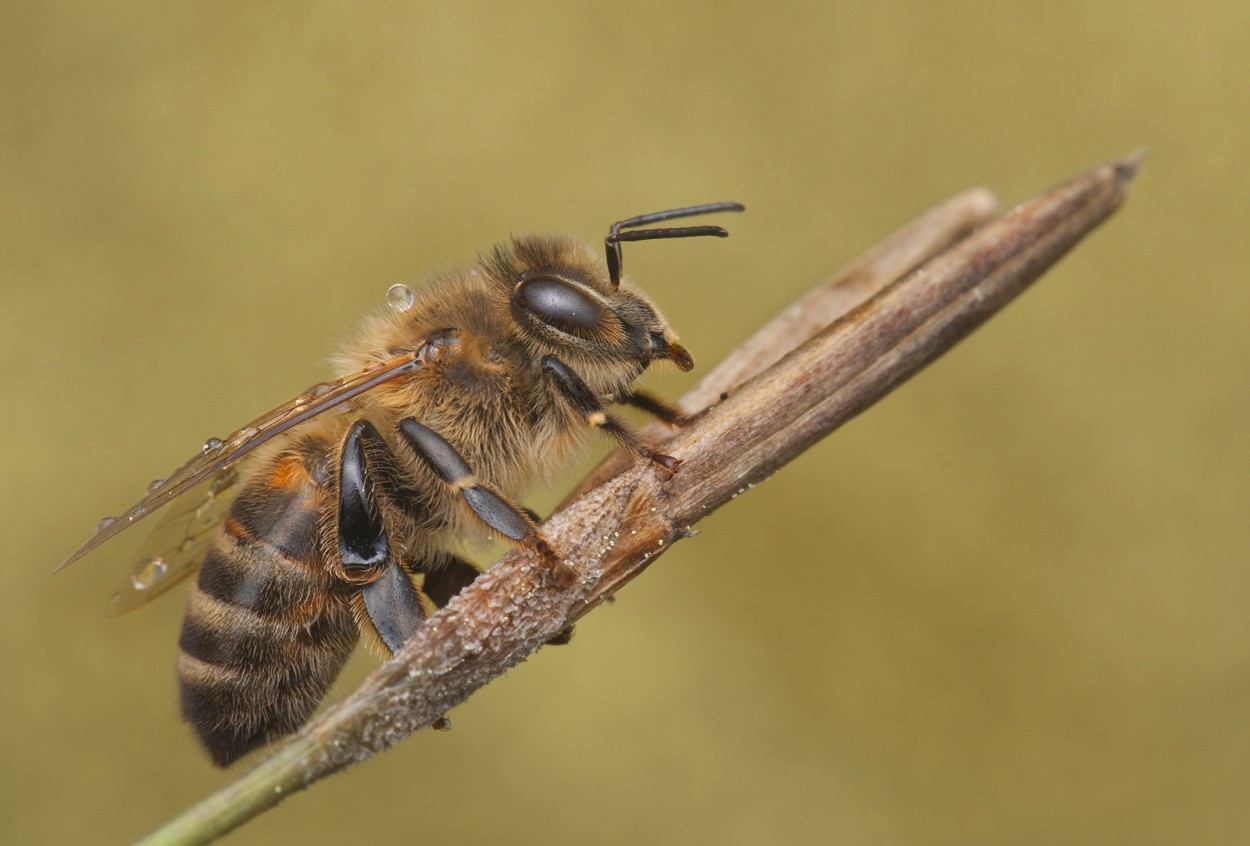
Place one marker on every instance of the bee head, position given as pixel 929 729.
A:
pixel 567 302
pixel 568 308
pixel 562 301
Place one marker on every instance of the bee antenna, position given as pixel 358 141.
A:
pixel 612 243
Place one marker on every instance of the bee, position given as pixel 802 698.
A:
pixel 448 404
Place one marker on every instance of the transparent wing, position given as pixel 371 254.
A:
pixel 176 547
pixel 219 455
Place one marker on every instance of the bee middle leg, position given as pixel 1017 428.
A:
pixel 391 601
pixel 495 511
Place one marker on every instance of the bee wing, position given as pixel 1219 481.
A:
pixel 177 546
pixel 219 455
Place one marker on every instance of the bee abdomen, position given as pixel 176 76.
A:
pixel 266 632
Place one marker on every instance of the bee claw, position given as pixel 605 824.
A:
pixel 668 464
pixel 564 575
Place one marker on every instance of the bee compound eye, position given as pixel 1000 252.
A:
pixel 558 303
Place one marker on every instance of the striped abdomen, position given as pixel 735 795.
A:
pixel 267 630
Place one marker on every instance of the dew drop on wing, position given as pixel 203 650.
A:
pixel 147 574
pixel 104 523
pixel 154 485
pixel 212 445
pixel 222 481
pixel 206 513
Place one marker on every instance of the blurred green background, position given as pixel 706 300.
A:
pixel 1007 605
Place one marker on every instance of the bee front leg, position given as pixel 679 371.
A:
pixel 391 601
pixel 492 509
pixel 583 400
pixel 656 407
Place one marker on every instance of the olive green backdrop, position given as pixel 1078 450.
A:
pixel 1009 605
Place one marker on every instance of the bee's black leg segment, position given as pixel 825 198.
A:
pixel 363 544
pixel 390 599
pixel 491 508
pixel 447 577
pixel 394 607
pixel 584 402
pixel 655 406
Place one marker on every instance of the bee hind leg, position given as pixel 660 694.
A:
pixel 391 601
pixel 495 511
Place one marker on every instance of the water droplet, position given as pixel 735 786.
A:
pixel 245 434
pixel 206 513
pixel 187 545
pixel 473 271
pixel 148 573
pixel 104 523
pixel 222 481
pixel 212 445
pixel 319 390
pixel 441 724
pixel 154 484
pixel 399 297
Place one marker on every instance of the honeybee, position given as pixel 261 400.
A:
pixel 449 403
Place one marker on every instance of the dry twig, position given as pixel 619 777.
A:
pixel 827 358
